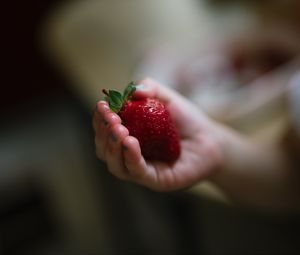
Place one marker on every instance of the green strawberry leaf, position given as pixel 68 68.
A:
pixel 129 90
pixel 115 100
pixel 114 109
pixel 116 96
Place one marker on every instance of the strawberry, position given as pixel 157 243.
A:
pixel 149 121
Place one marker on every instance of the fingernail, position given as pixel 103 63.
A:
pixel 101 106
pixel 113 137
pixel 140 87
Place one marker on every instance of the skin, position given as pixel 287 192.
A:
pixel 257 175
pixel 200 156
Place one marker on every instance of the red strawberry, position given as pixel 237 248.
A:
pixel 149 121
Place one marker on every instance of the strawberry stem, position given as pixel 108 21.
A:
pixel 105 92
pixel 116 100
pixel 129 90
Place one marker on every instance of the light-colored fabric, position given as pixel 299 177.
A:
pixel 294 100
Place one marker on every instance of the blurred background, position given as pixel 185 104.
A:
pixel 233 58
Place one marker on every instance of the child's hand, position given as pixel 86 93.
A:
pixel 200 154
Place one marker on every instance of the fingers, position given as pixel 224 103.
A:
pixel 97 117
pixel 120 151
pixel 133 159
pixel 103 120
pixel 139 171
pixel 115 146
pixel 113 151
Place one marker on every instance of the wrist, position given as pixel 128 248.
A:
pixel 225 140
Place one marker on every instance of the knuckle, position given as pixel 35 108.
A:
pixel 111 149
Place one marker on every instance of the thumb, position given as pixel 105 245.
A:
pixel 149 87
pixel 182 110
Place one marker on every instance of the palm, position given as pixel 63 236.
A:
pixel 199 158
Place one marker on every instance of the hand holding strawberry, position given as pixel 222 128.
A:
pixel 147 149
pixel 148 120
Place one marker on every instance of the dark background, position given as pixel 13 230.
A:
pixel 45 127
pixel 27 77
